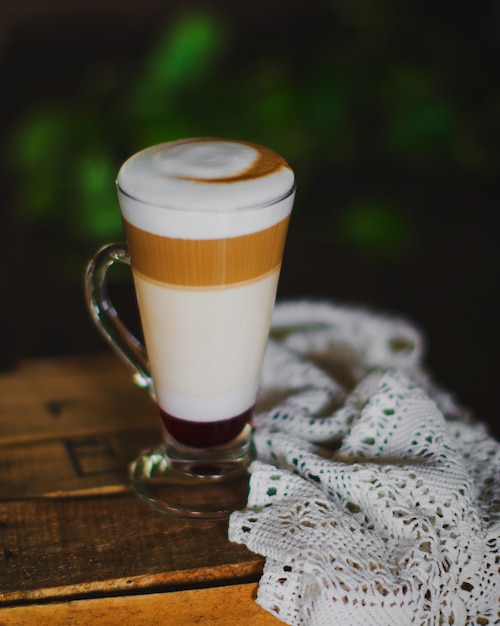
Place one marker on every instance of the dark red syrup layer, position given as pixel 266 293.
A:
pixel 205 434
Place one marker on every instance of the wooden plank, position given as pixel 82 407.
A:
pixel 229 605
pixel 71 397
pixel 56 548
pixel 70 466
pixel 71 426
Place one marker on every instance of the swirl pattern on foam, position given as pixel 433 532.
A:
pixel 163 186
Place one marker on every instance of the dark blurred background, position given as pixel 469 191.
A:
pixel 388 111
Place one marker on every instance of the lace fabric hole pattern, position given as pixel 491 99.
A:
pixel 386 509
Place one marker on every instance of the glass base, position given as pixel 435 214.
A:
pixel 203 483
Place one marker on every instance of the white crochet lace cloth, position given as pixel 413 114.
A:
pixel 375 506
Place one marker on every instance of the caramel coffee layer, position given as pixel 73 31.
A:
pixel 206 262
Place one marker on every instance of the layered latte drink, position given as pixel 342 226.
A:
pixel 206 222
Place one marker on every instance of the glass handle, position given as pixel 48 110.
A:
pixel 106 317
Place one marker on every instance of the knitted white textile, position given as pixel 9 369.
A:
pixel 384 510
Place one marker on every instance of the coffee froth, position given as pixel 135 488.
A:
pixel 213 188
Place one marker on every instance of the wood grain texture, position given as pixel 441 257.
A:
pixel 72 465
pixel 43 399
pixel 55 548
pixel 231 605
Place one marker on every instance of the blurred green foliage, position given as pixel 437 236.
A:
pixel 376 230
pixel 65 155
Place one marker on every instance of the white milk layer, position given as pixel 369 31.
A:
pixel 205 189
pixel 206 346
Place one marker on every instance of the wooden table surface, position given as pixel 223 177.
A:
pixel 78 546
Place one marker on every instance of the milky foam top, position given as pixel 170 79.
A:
pixel 205 188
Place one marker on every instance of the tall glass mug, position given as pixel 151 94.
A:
pixel 205 222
